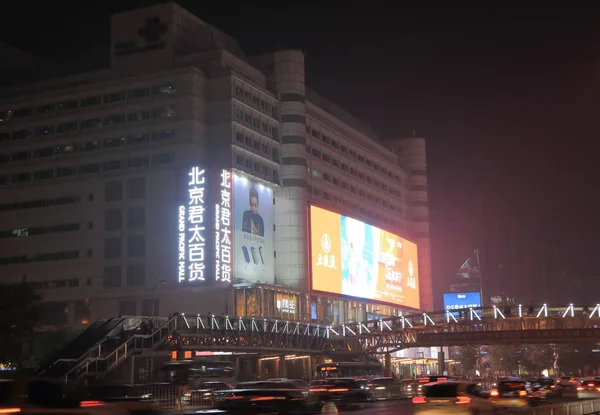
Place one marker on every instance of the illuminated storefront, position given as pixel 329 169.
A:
pixel 271 301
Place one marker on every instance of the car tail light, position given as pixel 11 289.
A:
pixel 9 410
pixel 494 393
pixel 317 390
pixel 463 400
pixel 579 388
pixel 87 404
pixel 268 398
pixel 590 384
pixel 418 399
pixel 339 390
pixel 231 398
pixel 522 393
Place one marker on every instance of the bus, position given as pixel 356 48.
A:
pixel 355 370
pixel 195 372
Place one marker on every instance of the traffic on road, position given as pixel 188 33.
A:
pixel 425 396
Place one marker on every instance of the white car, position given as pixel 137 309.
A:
pixel 446 398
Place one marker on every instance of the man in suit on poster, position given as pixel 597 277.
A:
pixel 252 222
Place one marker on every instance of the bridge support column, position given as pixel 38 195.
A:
pixel 387 366
pixel 441 362
pixel 282 369
pixel 258 368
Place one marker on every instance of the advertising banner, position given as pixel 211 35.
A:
pixel 457 301
pixel 253 214
pixel 353 258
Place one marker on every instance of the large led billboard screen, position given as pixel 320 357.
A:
pixel 353 258
pixel 253 214
pixel 457 301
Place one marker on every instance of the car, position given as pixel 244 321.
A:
pixel 545 387
pixel 265 400
pixel 344 392
pixel 42 396
pixel 452 398
pixel 511 393
pixel 589 389
pixel 385 388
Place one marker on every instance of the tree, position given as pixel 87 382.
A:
pixel 467 356
pixel 534 358
pixel 578 358
pixel 19 314
pixel 504 359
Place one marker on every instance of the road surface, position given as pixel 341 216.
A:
pixel 397 407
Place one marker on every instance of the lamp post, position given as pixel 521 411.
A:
pixel 156 284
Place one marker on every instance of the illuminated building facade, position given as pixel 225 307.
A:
pixel 180 179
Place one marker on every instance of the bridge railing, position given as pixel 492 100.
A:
pixel 219 323
pixel 470 316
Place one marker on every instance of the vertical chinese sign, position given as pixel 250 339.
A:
pixel 192 230
pixel 223 230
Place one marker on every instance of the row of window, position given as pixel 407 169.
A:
pixel 90 124
pixel 71 148
pixel 135 275
pixel 136 247
pixel 113 221
pixel 135 218
pixel 129 307
pixel 43 230
pixel 40 203
pixel 248 164
pixel 256 99
pixel 256 122
pixel 50 256
pixel 353 189
pixel 113 192
pixel 332 198
pixel 89 101
pixel 351 170
pixel 114 189
pixel 332 143
pixel 91 168
pixel 65 283
pixel 257 146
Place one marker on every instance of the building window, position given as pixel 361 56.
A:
pixel 112 248
pixel 136 188
pixel 113 191
pixel 112 277
pixel 136 246
pixel 136 275
pixel 150 307
pixel 66 171
pixel 43 174
pixel 127 308
pixel 21 177
pixel 113 220
pixel 136 217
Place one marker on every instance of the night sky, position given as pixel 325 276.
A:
pixel 505 96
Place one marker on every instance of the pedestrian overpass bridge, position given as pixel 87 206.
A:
pixel 492 325
pixel 196 332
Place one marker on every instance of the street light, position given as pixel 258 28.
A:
pixel 156 284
